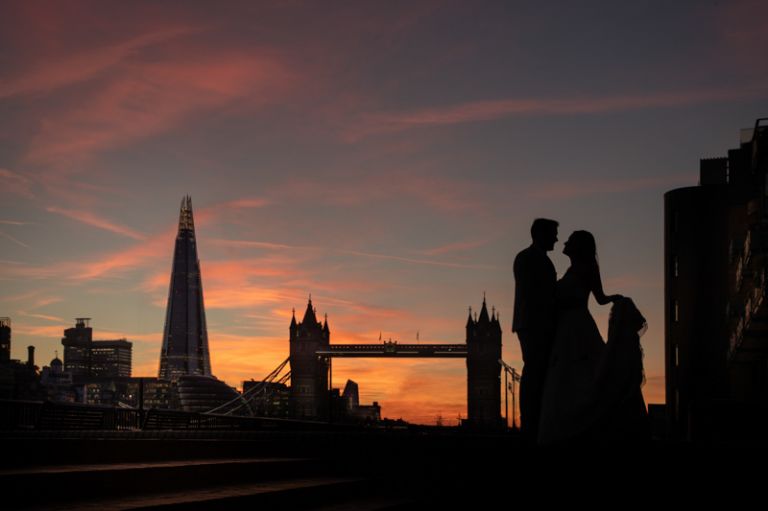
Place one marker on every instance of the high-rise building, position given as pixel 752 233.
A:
pixel 86 358
pixel 716 318
pixel 185 336
pixel 111 358
pixel 77 343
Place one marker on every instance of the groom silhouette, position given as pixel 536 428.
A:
pixel 534 319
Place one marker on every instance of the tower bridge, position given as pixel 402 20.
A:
pixel 311 354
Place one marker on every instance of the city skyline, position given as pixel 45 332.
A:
pixel 389 161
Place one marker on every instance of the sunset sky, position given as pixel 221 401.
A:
pixel 386 157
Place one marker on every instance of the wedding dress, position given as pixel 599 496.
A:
pixel 591 389
pixel 568 407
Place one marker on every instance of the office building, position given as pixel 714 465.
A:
pixel 85 358
pixel 716 340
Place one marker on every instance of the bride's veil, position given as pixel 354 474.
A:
pixel 621 369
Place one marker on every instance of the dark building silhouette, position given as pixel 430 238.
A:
pixel 18 380
pixel 58 384
pixel 353 411
pixel 5 340
pixel 716 318
pixel 85 358
pixel 31 356
pixel 483 370
pixel 77 348
pixel 185 336
pixel 309 372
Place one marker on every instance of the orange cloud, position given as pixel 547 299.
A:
pixel 42 316
pixel 155 248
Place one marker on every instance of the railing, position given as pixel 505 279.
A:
pixel 54 416
pixel 64 416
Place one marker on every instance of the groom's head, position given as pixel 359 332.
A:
pixel 544 233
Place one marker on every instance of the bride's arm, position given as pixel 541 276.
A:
pixel 597 289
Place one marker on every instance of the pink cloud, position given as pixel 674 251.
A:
pixel 88 218
pixel 83 65
pixel 479 111
pixel 147 98
pixel 258 244
pixel 439 192
pixel 15 183
pixel 410 260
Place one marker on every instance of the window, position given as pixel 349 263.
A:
pixel 675 266
pixel 675 311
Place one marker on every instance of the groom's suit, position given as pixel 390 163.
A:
pixel 534 323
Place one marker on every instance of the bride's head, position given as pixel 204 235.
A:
pixel 581 248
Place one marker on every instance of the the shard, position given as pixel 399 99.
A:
pixel 185 337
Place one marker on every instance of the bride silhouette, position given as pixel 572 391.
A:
pixel 576 406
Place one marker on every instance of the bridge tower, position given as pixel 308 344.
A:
pixel 484 370
pixel 309 371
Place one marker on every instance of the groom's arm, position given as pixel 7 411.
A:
pixel 597 289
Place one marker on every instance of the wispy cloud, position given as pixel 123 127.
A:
pixel 84 65
pixel 147 98
pixel 18 242
pixel 362 254
pixel 413 185
pixel 17 184
pixel 488 110
pixel 258 244
pixel 88 218
pixel 459 246
pixel 46 317
pixel 410 260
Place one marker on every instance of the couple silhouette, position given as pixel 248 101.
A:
pixel 575 388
